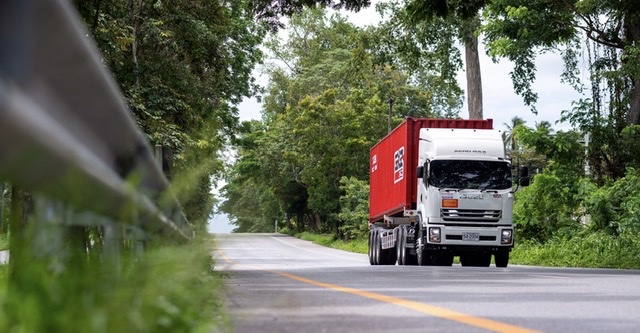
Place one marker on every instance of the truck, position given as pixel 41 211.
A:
pixel 439 189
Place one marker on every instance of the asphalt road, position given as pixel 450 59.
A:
pixel 276 283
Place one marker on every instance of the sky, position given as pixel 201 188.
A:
pixel 500 103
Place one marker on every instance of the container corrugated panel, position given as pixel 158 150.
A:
pixel 393 162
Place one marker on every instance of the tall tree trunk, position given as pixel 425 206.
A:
pixel 633 117
pixel 472 63
pixel 632 31
pixel 134 11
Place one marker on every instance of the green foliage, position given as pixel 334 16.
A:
pixel 615 207
pixel 550 205
pixel 183 68
pixel 424 46
pixel 169 289
pixel 323 111
pixel 354 208
pixel 355 245
pixel 546 207
pixel 584 249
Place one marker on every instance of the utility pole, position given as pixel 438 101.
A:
pixel 390 100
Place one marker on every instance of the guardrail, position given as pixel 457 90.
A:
pixel 67 135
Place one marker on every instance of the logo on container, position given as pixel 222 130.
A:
pixel 398 168
pixel 374 163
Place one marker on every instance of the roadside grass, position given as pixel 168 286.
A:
pixel 588 250
pixel 328 240
pixel 168 289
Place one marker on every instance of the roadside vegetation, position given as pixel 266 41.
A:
pixel 336 88
pixel 597 250
pixel 168 289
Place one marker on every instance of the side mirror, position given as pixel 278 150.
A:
pixel 420 172
pixel 524 181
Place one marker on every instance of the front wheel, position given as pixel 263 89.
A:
pixel 501 258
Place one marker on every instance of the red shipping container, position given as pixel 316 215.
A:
pixel 393 163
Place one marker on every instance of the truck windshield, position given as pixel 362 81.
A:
pixel 483 175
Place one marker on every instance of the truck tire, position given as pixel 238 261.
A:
pixel 371 246
pixel 392 255
pixel 501 259
pixel 421 255
pixel 400 246
pixel 376 247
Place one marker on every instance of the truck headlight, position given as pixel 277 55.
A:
pixel 434 235
pixel 506 236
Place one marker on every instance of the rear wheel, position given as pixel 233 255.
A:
pixel 400 246
pixel 423 258
pixel 376 247
pixel 501 258
pixel 371 246
pixel 392 255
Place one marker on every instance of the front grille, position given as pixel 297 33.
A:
pixel 471 215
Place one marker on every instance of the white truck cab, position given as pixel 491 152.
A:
pixel 465 197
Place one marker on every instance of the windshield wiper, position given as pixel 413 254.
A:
pixel 449 189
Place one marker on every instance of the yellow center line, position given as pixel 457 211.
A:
pixel 436 311
pixel 221 253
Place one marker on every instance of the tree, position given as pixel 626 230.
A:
pixel 426 50
pixel 183 68
pixel 609 31
pixel 272 11
pixel 463 17
pixel 326 105
pixel 509 136
pixel 517 30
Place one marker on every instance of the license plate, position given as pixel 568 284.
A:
pixel 470 236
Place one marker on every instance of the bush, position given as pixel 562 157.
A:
pixel 546 207
pixel 614 207
pixel 585 249
pixel 354 208
pixel 169 289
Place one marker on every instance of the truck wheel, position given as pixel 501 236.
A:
pixel 501 258
pixel 392 255
pixel 401 245
pixel 371 247
pixel 376 247
pixel 466 260
pixel 422 261
pixel 420 253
